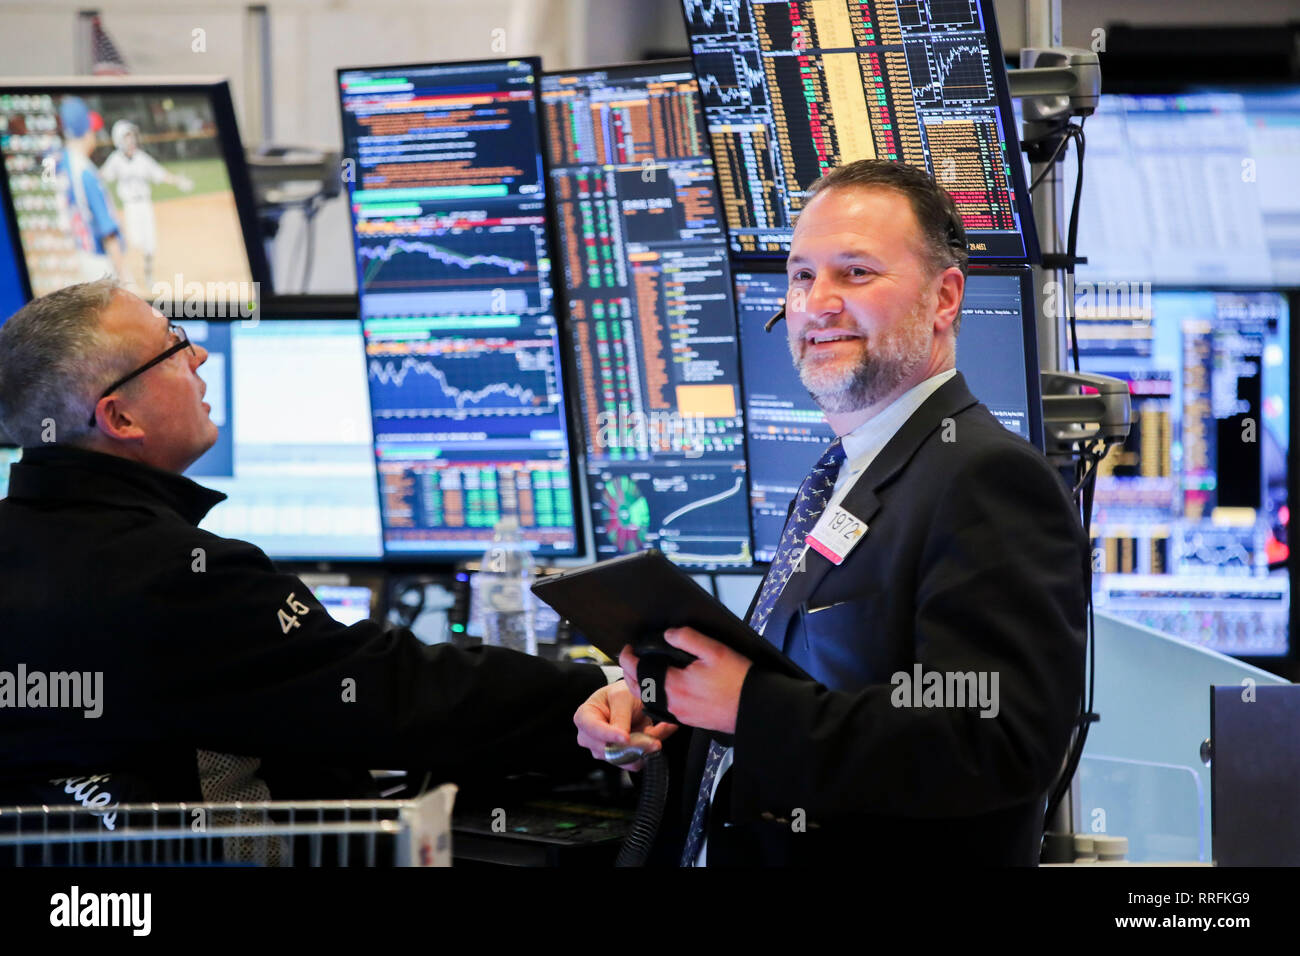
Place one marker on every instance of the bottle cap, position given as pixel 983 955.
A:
pixel 1111 847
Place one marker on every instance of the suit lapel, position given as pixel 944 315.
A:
pixel 862 501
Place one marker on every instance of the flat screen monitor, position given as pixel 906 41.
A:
pixel 1192 188
pixel 997 354
pixel 141 179
pixel 1190 518
pixel 347 604
pixel 294 454
pixel 651 315
pixel 453 253
pixel 792 89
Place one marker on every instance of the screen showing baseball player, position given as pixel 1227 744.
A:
pixel 125 183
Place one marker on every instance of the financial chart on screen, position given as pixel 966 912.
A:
pixel 793 88
pixel 651 313
pixel 1190 518
pixel 996 354
pixel 293 453
pixel 453 265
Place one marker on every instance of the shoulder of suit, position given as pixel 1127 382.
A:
pixel 974 437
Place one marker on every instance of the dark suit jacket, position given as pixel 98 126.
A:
pixel 974 561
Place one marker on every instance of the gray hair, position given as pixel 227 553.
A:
pixel 54 361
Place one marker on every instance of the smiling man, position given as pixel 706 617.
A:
pixel 222 677
pixel 928 544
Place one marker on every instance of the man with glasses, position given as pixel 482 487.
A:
pixel 215 675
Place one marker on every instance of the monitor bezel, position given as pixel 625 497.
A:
pixel 446 559
pixel 217 90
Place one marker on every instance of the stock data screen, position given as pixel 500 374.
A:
pixel 446 186
pixel 996 354
pixel 462 349
pixel 651 312
pixel 1190 517
pixel 794 88
pixel 293 453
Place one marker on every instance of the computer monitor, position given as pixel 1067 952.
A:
pixel 347 604
pixel 294 453
pixel 140 178
pixel 1195 188
pixel 651 312
pixel 1190 518
pixel 997 354
pixel 453 253
pixel 794 89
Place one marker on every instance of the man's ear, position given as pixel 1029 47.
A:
pixel 948 296
pixel 113 420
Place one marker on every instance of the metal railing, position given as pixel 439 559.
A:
pixel 324 833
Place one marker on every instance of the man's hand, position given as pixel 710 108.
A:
pixel 707 693
pixel 609 715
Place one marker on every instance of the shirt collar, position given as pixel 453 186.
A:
pixel 865 442
pixel 70 474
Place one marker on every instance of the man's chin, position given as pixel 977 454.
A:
pixel 826 384
pixel 210 435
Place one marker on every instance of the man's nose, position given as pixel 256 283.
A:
pixel 201 354
pixel 822 298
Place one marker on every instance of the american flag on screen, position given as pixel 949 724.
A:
pixel 108 62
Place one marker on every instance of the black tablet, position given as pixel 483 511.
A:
pixel 635 598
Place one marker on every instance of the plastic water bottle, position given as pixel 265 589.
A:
pixel 509 608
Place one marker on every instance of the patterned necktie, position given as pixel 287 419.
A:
pixel 809 505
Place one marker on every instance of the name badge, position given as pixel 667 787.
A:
pixel 836 534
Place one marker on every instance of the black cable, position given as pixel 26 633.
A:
pixel 1051 160
pixel 649 812
pixel 1072 241
pixel 1084 488
pixel 1087 714
pixel 1089 470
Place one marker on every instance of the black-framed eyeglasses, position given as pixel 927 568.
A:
pixel 182 343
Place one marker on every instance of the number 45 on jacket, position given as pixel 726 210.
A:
pixel 289 621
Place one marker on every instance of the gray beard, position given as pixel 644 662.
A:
pixel 884 365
